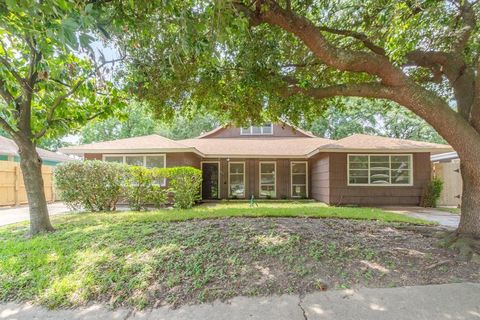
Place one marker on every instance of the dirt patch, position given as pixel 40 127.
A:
pixel 276 256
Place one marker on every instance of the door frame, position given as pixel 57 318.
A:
pixel 219 196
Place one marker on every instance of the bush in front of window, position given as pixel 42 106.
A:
pixel 144 187
pixel 90 185
pixel 432 193
pixel 185 184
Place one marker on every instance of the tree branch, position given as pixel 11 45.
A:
pixel 356 35
pixel 15 74
pixel 6 95
pixel 268 11
pixel 469 21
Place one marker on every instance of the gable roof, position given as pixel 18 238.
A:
pixel 363 142
pixel 9 147
pixel 220 128
pixel 254 147
pixel 150 143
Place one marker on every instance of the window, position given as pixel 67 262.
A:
pixel 267 179
pixel 299 179
pixel 266 129
pixel 149 161
pixel 236 179
pixel 395 169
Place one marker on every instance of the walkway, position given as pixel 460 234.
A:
pixel 443 218
pixel 450 301
pixel 9 215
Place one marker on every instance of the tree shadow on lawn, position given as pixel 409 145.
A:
pixel 130 261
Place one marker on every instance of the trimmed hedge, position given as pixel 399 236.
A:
pixel 98 186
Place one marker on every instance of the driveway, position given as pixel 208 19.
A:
pixel 17 214
pixel 443 218
pixel 448 301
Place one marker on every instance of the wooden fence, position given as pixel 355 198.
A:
pixel 12 188
pixel 449 172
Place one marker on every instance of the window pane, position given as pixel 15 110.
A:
pixel 237 190
pixel 267 167
pixel 384 159
pixel 361 159
pixel 118 159
pixel 379 177
pixel 236 179
pixel 267 129
pixel 358 176
pixel 400 176
pixel 299 168
pixel 134 160
pixel 299 191
pixel 299 179
pixel 400 162
pixel 267 191
pixel 358 165
pixel 155 161
pixel 267 179
pixel 236 167
pixel 358 180
pixel 256 130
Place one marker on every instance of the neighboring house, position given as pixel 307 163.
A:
pixel 281 161
pixel 9 152
pixel 446 166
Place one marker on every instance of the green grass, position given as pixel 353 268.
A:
pixel 117 256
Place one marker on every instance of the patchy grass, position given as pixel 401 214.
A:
pixel 145 259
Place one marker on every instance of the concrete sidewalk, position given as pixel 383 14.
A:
pixel 445 219
pixel 11 215
pixel 450 301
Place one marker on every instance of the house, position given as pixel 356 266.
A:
pixel 9 152
pixel 280 161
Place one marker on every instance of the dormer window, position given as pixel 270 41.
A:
pixel 266 129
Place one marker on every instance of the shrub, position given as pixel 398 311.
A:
pixel 432 193
pixel 185 183
pixel 91 185
pixel 144 186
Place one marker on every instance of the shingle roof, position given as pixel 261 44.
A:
pixel 256 146
pixel 251 147
pixel 8 147
pixel 367 142
pixel 149 143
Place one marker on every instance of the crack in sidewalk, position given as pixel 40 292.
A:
pixel 304 313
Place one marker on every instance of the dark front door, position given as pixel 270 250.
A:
pixel 210 185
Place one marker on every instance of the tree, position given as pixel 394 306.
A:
pixel 379 117
pixel 266 58
pixel 138 120
pixel 50 82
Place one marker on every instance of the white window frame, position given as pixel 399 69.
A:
pixel 390 155
pixel 291 178
pixel 249 132
pixel 269 184
pixel 219 184
pixel 244 182
pixel 144 155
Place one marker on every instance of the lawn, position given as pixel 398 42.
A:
pixel 162 257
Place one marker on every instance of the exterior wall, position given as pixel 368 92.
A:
pixel 278 131
pixel 252 177
pixel 173 159
pixel 341 193
pixel 320 177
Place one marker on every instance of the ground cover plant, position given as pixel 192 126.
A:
pixel 171 256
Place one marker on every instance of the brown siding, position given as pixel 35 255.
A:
pixel 320 177
pixel 278 131
pixel 341 193
pixel 252 176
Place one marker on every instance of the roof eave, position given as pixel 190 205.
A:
pixel 134 151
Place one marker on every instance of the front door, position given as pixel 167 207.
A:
pixel 210 174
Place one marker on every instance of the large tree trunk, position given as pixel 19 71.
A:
pixel 470 218
pixel 31 165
